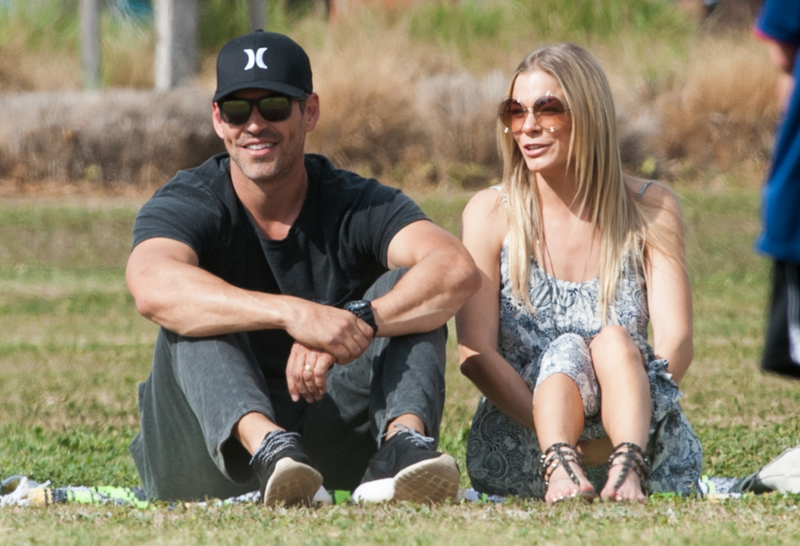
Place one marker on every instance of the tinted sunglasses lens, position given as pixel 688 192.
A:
pixel 235 111
pixel 549 111
pixel 275 108
pixel 512 114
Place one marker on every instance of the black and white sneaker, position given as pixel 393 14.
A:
pixel 406 468
pixel 285 471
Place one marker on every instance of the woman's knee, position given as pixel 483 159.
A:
pixel 614 346
pixel 611 338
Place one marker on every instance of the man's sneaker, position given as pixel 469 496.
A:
pixel 284 470
pixel 406 468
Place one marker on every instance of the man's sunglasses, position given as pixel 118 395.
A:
pixel 272 108
pixel 548 110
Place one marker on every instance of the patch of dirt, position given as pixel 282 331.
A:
pixel 85 193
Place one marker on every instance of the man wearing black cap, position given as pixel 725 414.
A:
pixel 302 311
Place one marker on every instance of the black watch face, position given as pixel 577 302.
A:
pixel 356 306
pixel 363 310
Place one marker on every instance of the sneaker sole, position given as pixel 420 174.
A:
pixel 428 482
pixel 292 483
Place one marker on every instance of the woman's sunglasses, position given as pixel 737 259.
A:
pixel 548 110
pixel 272 108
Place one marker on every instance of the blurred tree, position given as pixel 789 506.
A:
pixel 177 43
pixel 90 43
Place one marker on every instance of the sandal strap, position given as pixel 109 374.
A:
pixel 633 458
pixel 560 454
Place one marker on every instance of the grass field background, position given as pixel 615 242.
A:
pixel 73 349
pixel 408 95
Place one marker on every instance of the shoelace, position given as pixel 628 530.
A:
pixel 417 438
pixel 275 442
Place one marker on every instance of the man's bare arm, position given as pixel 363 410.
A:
pixel 170 288
pixel 441 277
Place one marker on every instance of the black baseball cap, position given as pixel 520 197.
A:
pixel 263 60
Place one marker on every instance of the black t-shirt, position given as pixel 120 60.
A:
pixel 336 248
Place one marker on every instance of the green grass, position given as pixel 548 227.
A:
pixel 73 349
pixel 469 28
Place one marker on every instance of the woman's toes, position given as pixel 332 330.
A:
pixel 630 490
pixel 559 490
pixel 565 488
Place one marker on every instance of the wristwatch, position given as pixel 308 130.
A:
pixel 363 310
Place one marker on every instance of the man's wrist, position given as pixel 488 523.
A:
pixel 363 310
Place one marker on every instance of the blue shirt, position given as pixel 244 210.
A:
pixel 779 21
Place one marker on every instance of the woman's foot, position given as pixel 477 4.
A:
pixel 628 467
pixel 563 473
pixel 563 487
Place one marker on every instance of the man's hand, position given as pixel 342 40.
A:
pixel 306 371
pixel 339 333
pixel 172 290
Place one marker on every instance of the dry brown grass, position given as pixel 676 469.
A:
pixel 393 107
pixel 24 70
pixel 139 137
pixel 722 107
pixel 366 85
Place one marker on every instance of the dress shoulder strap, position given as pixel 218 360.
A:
pixel 499 188
pixel 641 191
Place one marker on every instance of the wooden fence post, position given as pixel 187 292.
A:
pixel 90 43
pixel 176 42
pixel 258 14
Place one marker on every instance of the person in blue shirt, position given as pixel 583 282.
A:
pixel 779 25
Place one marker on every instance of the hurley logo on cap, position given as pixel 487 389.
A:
pixel 263 60
pixel 255 58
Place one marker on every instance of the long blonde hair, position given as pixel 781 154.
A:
pixel 595 156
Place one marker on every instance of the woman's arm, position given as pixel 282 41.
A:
pixel 669 290
pixel 483 228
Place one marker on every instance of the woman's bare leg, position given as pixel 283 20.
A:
pixel 626 405
pixel 558 417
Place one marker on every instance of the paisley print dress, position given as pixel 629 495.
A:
pixel 503 455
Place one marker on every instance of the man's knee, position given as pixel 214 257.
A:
pixel 385 283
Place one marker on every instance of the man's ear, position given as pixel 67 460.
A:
pixel 216 119
pixel 312 112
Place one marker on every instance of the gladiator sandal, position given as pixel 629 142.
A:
pixel 632 458
pixel 563 454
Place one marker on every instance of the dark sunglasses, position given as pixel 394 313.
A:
pixel 548 110
pixel 272 108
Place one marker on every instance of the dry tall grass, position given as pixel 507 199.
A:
pixel 121 136
pixel 366 85
pixel 22 69
pixel 412 111
pixel 722 108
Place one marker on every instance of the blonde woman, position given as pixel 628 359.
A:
pixel 576 259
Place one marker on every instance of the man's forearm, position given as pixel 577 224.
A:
pixel 192 302
pixel 428 294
